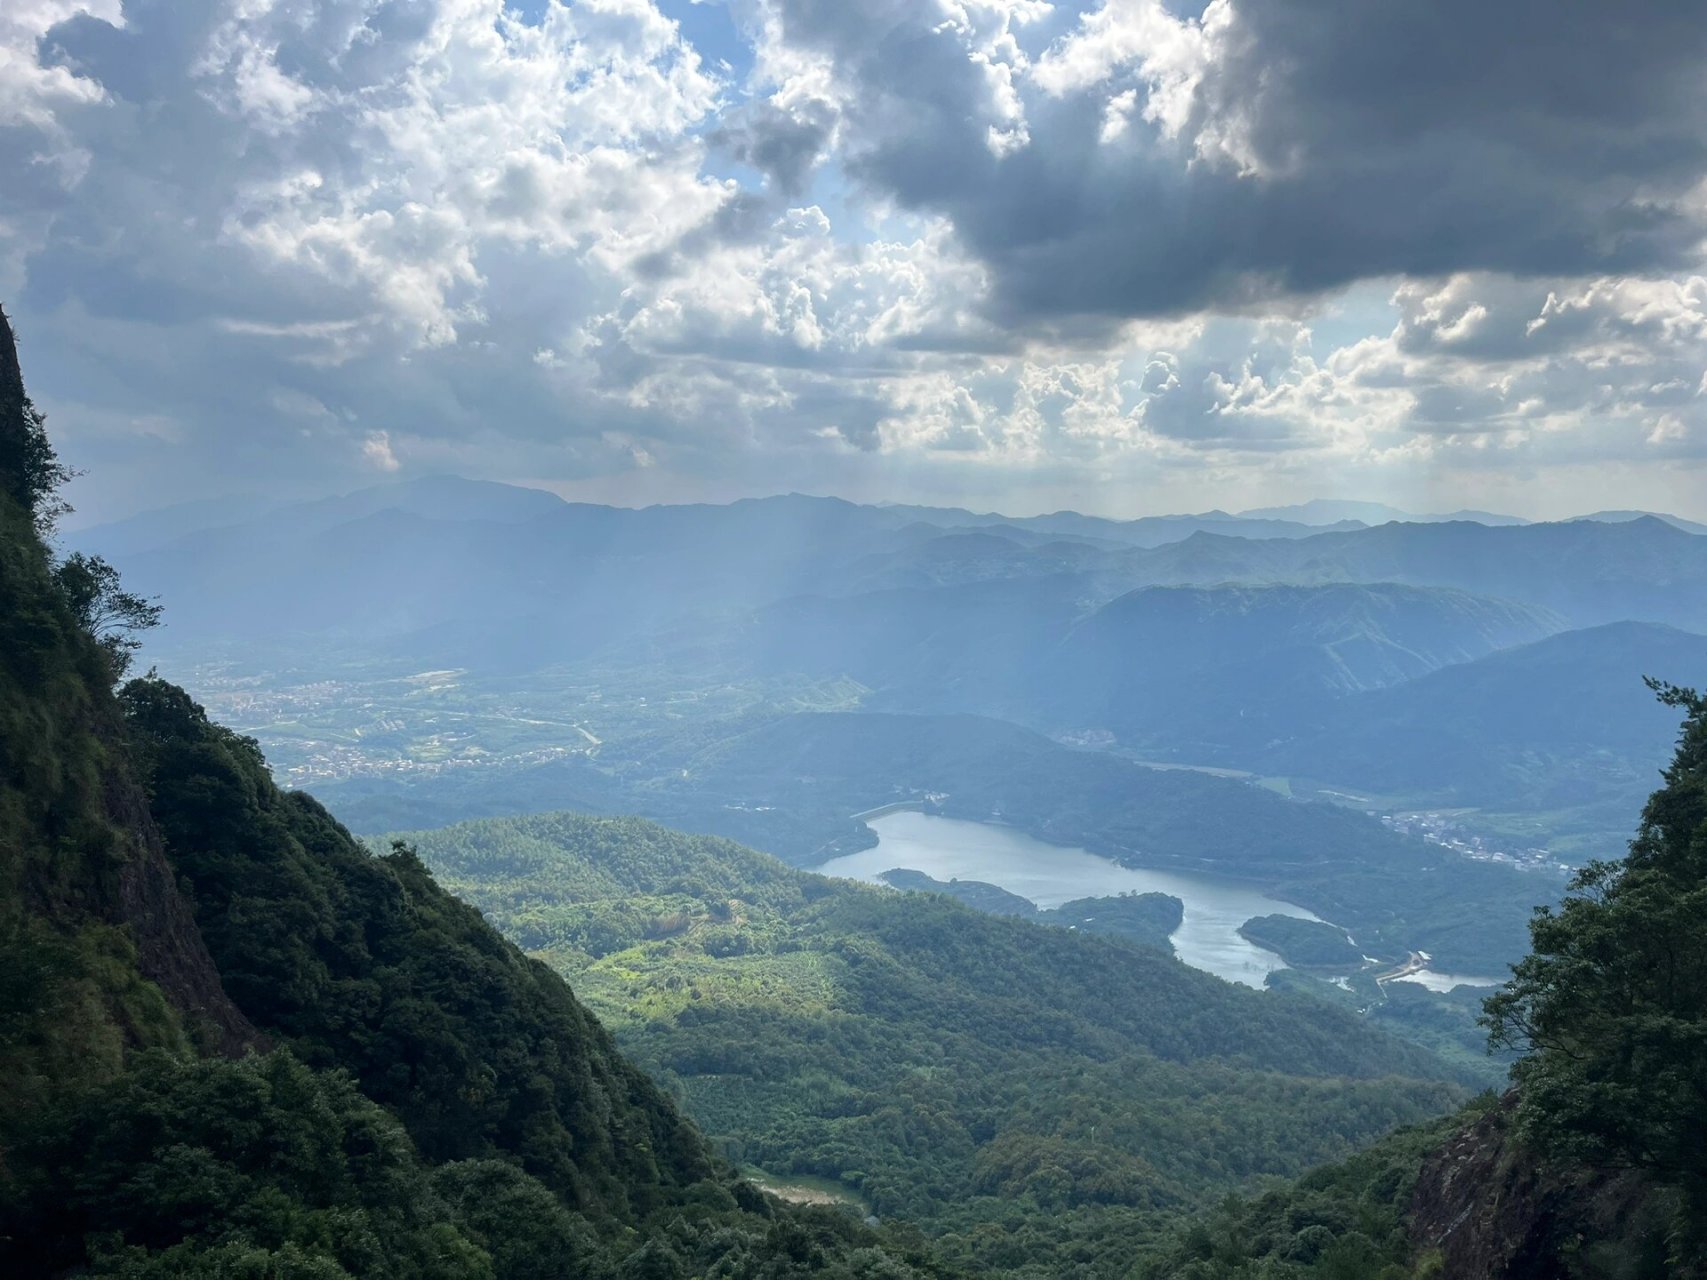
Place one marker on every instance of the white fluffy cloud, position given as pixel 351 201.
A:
pixel 1106 254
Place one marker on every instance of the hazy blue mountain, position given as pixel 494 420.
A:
pixel 1590 572
pixel 1185 671
pixel 1157 531
pixel 118 539
pixel 1199 669
pixel 406 558
pixel 437 497
pixel 251 520
pixel 1620 517
pixel 1327 511
pixel 1563 722
pixel 1144 531
pixel 972 555
pixel 576 575
pixel 969 646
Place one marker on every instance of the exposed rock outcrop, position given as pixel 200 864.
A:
pixel 170 950
pixel 1491 1210
pixel 83 844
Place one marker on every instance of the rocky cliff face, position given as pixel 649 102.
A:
pixel 80 847
pixel 170 950
pixel 1488 1209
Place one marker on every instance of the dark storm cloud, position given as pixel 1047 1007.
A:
pixel 1325 141
pixel 783 145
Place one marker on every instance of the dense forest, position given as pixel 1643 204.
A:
pixel 1149 918
pixel 911 1049
pixel 1038 1099
pixel 1304 944
pixel 1591 1167
pixel 233 1043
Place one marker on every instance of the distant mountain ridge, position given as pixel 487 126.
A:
pixel 452 497
pixel 1160 662
pixel 1324 511
pixel 432 554
pixel 1565 720
pixel 1621 517
pixel 1169 664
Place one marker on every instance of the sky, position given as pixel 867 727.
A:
pixel 1121 256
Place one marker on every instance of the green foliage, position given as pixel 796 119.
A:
pixel 515 1141
pixel 365 963
pixel 1307 944
pixel 104 609
pixel 71 994
pixel 1147 918
pixel 30 471
pixel 1447 1023
pixel 1612 1004
pixel 1025 1094
pixel 438 1106
pixel 267 1169
pixel 1340 1222
pixel 198 1167
pixel 989 898
pixel 1611 1009
pixel 544 1140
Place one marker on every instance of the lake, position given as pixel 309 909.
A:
pixel 1049 875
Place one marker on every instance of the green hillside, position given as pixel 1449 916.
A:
pixel 1591 1167
pixel 1206 673
pixel 1560 726
pixel 1027 1094
pixel 234 1044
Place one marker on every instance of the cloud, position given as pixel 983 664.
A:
pixel 1285 147
pixel 1097 254
pixel 377 450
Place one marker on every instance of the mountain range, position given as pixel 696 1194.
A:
pixel 1254 642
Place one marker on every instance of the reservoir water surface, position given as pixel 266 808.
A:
pixel 1049 875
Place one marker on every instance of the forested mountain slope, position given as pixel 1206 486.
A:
pixel 232 1043
pixel 1592 1167
pixel 1038 1099
pixel 1202 672
pixel 1565 720
pixel 1194 671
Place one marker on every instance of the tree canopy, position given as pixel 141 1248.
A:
pixel 1612 1004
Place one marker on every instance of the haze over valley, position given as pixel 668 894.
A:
pixel 1476 681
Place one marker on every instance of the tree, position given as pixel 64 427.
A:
pixel 30 471
pixel 1612 1004
pixel 108 612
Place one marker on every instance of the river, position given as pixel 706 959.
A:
pixel 1049 875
